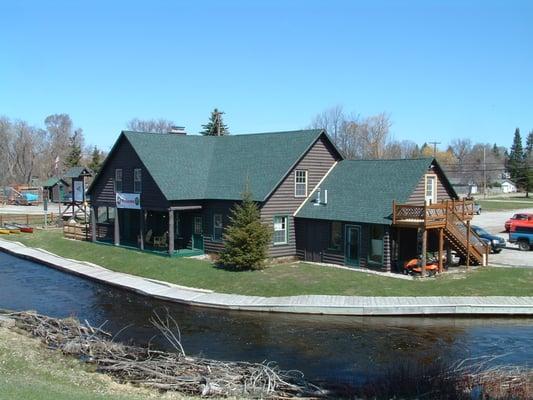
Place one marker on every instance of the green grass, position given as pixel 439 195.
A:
pixel 30 371
pixel 513 203
pixel 283 279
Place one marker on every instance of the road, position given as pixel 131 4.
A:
pixel 493 222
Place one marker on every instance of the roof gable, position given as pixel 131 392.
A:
pixel 363 190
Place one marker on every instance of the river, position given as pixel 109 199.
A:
pixel 328 349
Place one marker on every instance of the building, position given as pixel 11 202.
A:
pixel 508 186
pixel 174 193
pixel 56 188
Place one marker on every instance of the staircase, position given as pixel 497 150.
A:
pixel 459 235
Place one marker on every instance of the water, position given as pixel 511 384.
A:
pixel 326 348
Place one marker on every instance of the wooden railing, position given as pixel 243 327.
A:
pixel 433 215
pixel 28 219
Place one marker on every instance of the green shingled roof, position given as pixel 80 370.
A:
pixel 363 190
pixel 52 181
pixel 190 167
pixel 74 172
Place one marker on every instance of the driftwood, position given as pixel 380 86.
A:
pixel 168 371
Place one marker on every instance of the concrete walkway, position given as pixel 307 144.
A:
pixel 311 304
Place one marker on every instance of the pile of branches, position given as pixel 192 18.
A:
pixel 174 371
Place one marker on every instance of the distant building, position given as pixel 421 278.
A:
pixel 508 186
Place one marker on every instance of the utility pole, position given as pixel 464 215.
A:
pixel 434 148
pixel 484 173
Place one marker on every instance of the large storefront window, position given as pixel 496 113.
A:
pixel 375 247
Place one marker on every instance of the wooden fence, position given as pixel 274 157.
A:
pixel 74 230
pixel 29 219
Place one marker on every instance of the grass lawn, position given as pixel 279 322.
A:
pixel 283 279
pixel 513 203
pixel 30 371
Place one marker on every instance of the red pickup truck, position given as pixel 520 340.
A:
pixel 524 218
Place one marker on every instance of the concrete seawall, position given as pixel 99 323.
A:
pixel 307 304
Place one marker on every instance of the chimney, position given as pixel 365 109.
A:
pixel 177 130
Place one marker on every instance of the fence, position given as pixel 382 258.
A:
pixel 74 230
pixel 29 219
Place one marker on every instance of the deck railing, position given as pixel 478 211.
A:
pixel 432 214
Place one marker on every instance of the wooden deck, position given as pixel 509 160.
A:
pixel 310 304
pixel 431 216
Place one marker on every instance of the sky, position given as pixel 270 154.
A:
pixel 442 70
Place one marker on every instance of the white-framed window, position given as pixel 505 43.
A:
pixel 280 230
pixel 118 180
pixel 137 180
pixel 217 227
pixel 300 183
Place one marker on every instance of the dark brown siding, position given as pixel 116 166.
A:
pixel 418 195
pixel 211 208
pixel 125 157
pixel 313 242
pixel 317 161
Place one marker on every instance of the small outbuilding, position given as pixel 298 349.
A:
pixel 56 189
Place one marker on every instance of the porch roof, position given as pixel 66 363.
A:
pixel 363 190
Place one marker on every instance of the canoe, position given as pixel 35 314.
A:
pixel 23 228
pixel 11 228
pixel 4 231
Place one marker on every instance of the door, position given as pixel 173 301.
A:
pixel 431 189
pixel 197 233
pixel 352 249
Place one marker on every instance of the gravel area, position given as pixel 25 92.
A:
pixel 493 222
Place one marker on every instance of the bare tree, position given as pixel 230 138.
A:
pixel 332 120
pixel 150 125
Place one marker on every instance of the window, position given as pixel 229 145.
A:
pixel 137 180
pixel 280 230
pixel 375 246
pixel 335 235
pixel 217 227
pixel 300 183
pixel 118 181
pixel 197 225
pixel 431 189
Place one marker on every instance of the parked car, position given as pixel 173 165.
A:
pixel 522 234
pixel 477 209
pixel 496 243
pixel 528 218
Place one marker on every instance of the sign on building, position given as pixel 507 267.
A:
pixel 129 200
pixel 78 191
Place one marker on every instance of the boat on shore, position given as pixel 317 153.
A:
pixel 11 228
pixel 4 231
pixel 23 228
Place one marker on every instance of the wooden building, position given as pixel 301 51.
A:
pixel 174 192
pixel 56 189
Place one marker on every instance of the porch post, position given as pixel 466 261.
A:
pixel 170 232
pixel 448 256
pixel 387 249
pixel 117 228
pixel 441 247
pixel 424 250
pixel 94 212
pixel 141 228
pixel 467 244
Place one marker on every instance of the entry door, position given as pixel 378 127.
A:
pixel 431 189
pixel 197 233
pixel 352 249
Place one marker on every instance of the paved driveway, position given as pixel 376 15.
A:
pixel 493 221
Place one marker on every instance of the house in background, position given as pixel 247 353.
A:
pixel 174 193
pixel 464 189
pixel 507 186
pixel 56 188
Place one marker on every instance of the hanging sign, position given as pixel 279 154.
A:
pixel 78 191
pixel 129 200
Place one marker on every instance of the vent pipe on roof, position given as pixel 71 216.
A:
pixel 177 130
pixel 317 200
pixel 326 196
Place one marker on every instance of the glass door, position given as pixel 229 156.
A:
pixel 197 233
pixel 352 248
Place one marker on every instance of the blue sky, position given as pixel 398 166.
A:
pixel 443 70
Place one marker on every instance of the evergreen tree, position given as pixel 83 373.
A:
pixel 516 159
pixel 246 239
pixel 96 160
pixel 74 151
pixel 496 150
pixel 215 126
pixel 528 174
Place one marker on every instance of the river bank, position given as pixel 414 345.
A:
pixel 311 304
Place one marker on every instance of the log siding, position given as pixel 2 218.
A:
pixel 418 195
pixel 283 202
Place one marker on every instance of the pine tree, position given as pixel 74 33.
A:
pixel 246 239
pixel 215 126
pixel 528 153
pixel 96 160
pixel 516 159
pixel 74 152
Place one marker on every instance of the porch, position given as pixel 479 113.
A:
pixel 177 231
pixel 448 221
